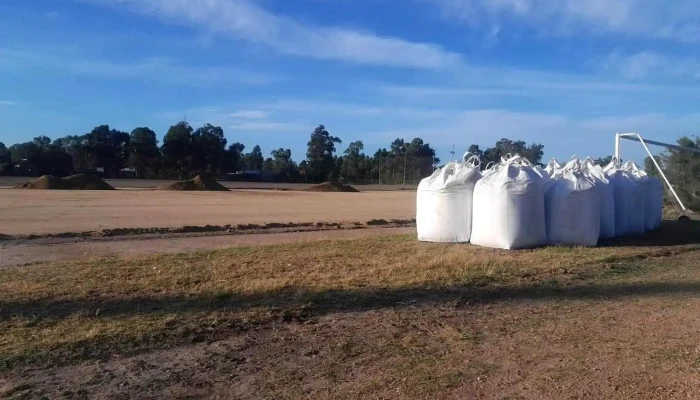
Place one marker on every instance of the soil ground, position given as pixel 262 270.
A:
pixel 12 181
pixel 372 318
pixel 24 212
pixel 43 251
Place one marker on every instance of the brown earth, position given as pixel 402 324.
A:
pixel 386 318
pixel 198 183
pixel 332 187
pixel 26 212
pixel 41 251
pixel 8 182
pixel 73 182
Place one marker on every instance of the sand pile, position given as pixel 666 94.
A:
pixel 332 187
pixel 199 182
pixel 73 182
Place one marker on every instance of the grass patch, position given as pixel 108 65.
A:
pixel 93 309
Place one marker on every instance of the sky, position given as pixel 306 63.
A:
pixel 565 73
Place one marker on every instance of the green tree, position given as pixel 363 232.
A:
pixel 682 168
pixel 41 157
pixel 649 166
pixel 420 160
pixel 503 147
pixel 208 149
pixel 76 146
pixel 176 149
pixel 233 156
pixel 108 149
pixel 319 155
pixel 281 165
pixel 382 159
pixel 6 166
pixel 354 168
pixel 143 150
pixel 253 161
pixel 304 171
pixel 404 162
pixel 603 161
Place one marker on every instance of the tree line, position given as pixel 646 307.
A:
pixel 186 151
pixel 682 168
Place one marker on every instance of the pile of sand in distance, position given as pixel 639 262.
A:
pixel 331 187
pixel 73 182
pixel 199 182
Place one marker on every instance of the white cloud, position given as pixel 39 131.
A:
pixel 7 103
pixel 645 18
pixel 52 15
pixel 245 20
pixel 242 120
pixel 561 134
pixel 266 126
pixel 249 114
pixel 154 68
pixel 651 64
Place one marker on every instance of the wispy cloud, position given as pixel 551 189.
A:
pixel 241 120
pixel 644 18
pixel 7 103
pixel 246 20
pixel 155 68
pixel 249 114
pixel 266 126
pixel 563 135
pixel 651 64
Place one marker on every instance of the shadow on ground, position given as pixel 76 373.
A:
pixel 318 303
pixel 671 233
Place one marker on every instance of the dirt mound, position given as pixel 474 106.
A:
pixel 199 182
pixel 332 187
pixel 73 182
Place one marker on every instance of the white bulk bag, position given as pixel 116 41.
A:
pixel 654 208
pixel 509 206
pixel 653 195
pixel 606 192
pixel 572 208
pixel 629 201
pixel 444 203
pixel 553 166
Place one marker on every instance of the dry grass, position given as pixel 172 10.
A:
pixel 64 312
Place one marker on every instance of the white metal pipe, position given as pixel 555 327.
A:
pixel 670 146
pixel 656 164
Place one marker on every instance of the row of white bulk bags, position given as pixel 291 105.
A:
pixel 509 206
pixel 553 167
pixel 606 192
pixel 573 207
pixel 444 202
pixel 630 201
pixel 653 195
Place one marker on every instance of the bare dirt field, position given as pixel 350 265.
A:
pixel 351 312
pixel 43 251
pixel 24 212
pixel 12 181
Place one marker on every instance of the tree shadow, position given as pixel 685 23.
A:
pixel 671 233
pixel 321 302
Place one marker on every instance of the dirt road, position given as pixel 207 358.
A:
pixel 24 212
pixel 12 255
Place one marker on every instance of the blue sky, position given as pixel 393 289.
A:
pixel 567 73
